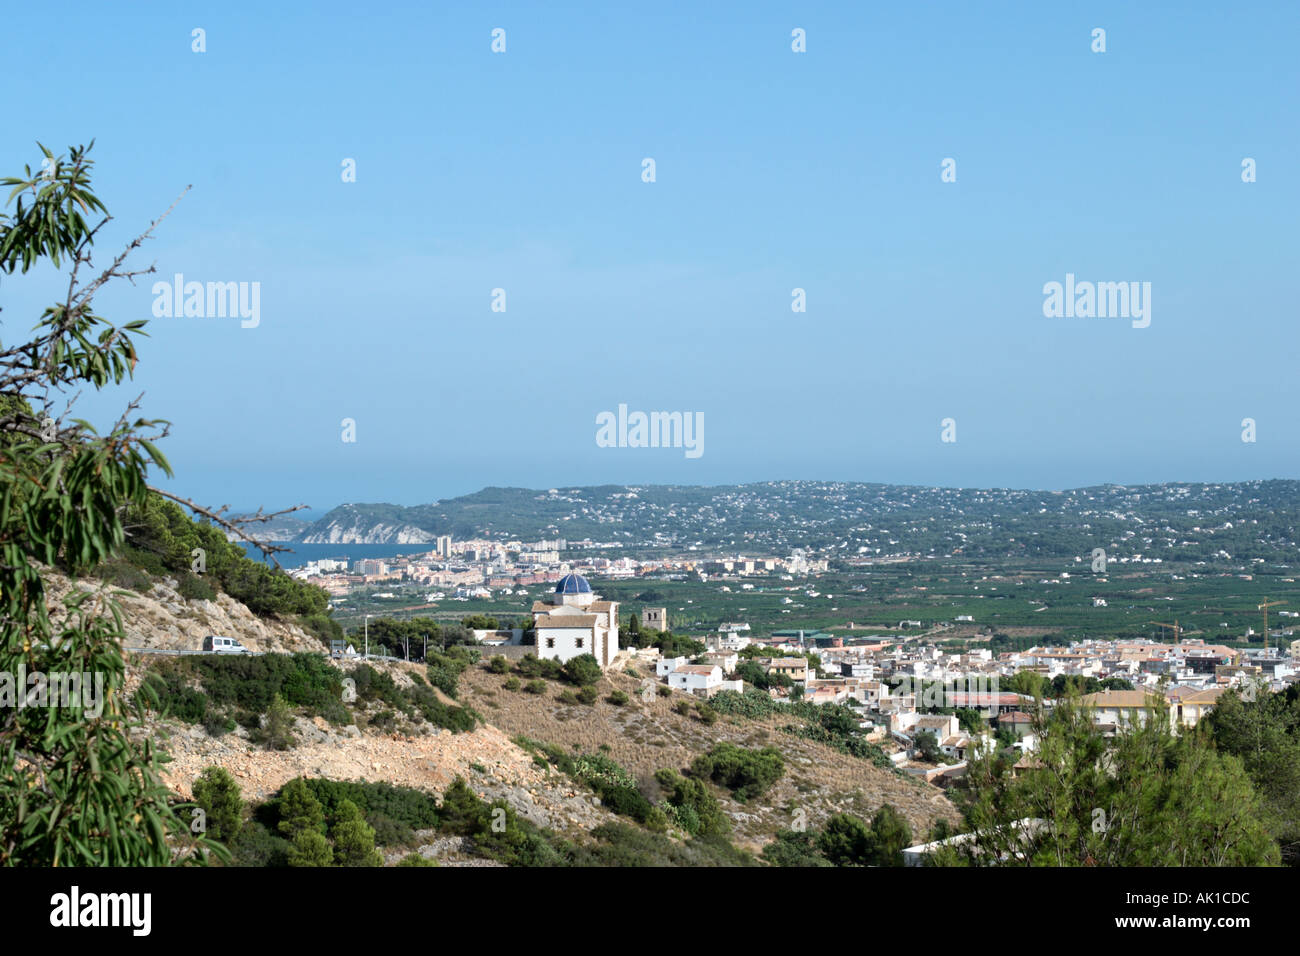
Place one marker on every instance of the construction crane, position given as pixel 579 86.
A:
pixel 1174 627
pixel 1264 607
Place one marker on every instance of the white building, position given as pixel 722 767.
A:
pixel 701 679
pixel 666 665
pixel 573 622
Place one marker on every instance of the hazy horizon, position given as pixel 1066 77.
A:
pixel 782 179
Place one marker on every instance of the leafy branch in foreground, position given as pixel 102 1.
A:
pixel 77 786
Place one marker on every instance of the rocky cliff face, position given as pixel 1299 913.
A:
pixel 163 619
pixel 359 530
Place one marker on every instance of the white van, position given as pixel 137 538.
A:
pixel 223 645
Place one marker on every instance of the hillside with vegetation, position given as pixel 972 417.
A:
pixel 585 767
pixel 1183 521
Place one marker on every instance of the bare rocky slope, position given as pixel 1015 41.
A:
pixel 643 735
pixel 165 620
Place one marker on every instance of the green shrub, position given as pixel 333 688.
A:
pixel 587 695
pixel 498 665
pixel 511 683
pixel 277 732
pixel 567 696
pixel 693 807
pixel 251 682
pixel 194 588
pixel 119 573
pixel 414 859
pixel 218 725
pixel 535 687
pixel 256 846
pixel 539 667
pixel 166 690
pixel 388 832
pixel 310 848
pixel 618 698
pixel 794 848
pixel 298 810
pixel 321 626
pixel 217 794
pixel 354 839
pixel 746 773
pixel 583 670
pixel 406 806
pixel 444 669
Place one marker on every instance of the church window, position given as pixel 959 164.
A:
pixel 550 642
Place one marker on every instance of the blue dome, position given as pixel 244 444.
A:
pixel 573 584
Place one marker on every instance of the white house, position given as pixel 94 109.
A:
pixel 666 665
pixel 943 726
pixel 700 679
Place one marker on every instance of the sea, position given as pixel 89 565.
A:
pixel 304 553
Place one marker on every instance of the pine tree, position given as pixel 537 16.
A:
pixel 217 793
pixel 354 839
pixel 310 848
pixel 300 811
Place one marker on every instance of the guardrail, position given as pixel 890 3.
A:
pixel 179 652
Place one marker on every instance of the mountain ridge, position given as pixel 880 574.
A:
pixel 852 517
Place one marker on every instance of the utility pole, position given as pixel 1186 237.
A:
pixel 367 635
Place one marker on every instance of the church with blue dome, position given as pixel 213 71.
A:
pixel 574 621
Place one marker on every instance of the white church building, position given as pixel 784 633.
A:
pixel 573 622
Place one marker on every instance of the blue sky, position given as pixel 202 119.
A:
pixel 774 170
